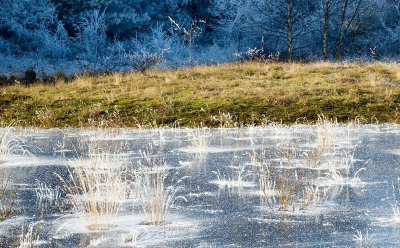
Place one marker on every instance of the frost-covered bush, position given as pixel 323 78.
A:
pixel 24 24
pixel 31 37
pixel 156 49
pixel 215 54
pixel 144 60
pixel 115 57
pixel 56 45
pixel 91 41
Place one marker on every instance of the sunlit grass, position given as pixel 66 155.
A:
pixel 229 94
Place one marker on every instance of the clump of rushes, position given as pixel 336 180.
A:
pixel 200 138
pixel 155 198
pixel 10 143
pixel 288 188
pixel 325 132
pixel 395 205
pixel 96 186
pixel 7 196
pixel 30 238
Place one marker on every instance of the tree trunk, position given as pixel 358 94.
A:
pixel 341 31
pixel 325 32
pixel 289 4
pixel 342 28
pixel 190 41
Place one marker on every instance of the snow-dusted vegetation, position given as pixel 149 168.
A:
pixel 67 37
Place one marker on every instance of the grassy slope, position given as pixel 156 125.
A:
pixel 251 93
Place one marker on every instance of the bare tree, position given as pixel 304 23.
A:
pixel 326 6
pixel 347 18
pixel 286 19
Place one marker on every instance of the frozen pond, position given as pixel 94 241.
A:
pixel 324 185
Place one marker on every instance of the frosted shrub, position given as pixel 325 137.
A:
pixel 144 60
pixel 149 50
pixel 92 41
pixel 216 54
pixel 55 45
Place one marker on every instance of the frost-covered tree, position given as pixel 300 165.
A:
pixel 349 21
pixel 326 7
pixel 230 22
pixel 122 17
pixel 286 20
pixel 30 26
pixel 91 40
pixel 385 39
pixel 342 26
pixel 30 36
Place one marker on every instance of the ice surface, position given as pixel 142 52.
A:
pixel 220 172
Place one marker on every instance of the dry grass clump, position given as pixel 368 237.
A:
pixel 295 176
pixel 154 196
pixel 200 138
pixel 395 205
pixel 289 189
pixel 266 176
pixel 150 187
pixel 8 196
pixel 96 186
pixel 30 237
pixel 325 132
pixel 100 179
pixel 10 143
